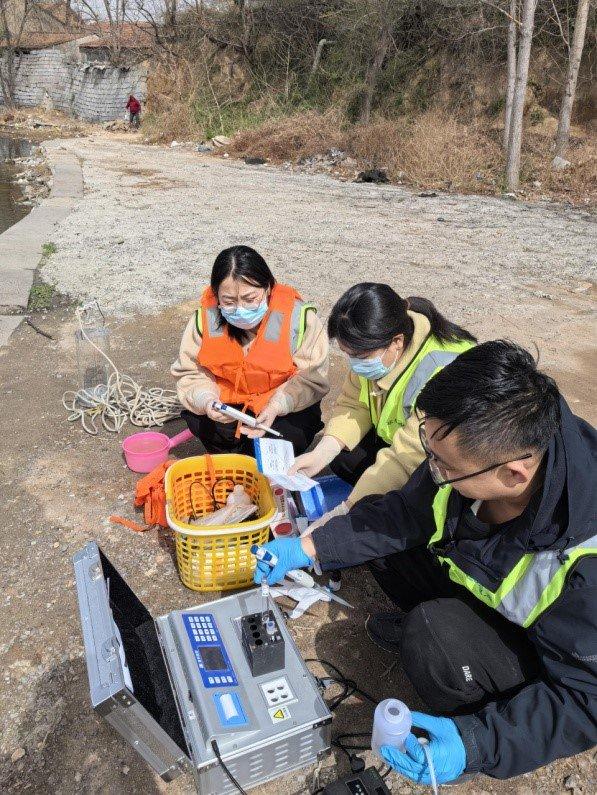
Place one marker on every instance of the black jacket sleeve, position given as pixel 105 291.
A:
pixel 379 526
pixel 555 716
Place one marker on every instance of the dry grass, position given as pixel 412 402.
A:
pixel 292 137
pixel 577 183
pixel 432 150
pixel 169 113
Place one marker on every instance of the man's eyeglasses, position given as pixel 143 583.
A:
pixel 435 471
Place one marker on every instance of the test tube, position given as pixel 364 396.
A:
pixel 264 601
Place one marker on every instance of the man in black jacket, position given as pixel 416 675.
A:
pixel 490 552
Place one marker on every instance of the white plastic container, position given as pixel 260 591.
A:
pixel 391 724
pixel 238 496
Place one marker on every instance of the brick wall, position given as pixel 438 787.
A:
pixel 60 79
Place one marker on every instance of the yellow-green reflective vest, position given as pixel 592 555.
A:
pixel 534 583
pixel 401 397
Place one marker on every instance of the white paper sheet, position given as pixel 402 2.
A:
pixel 274 459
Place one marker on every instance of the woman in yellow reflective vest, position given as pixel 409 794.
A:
pixel 394 346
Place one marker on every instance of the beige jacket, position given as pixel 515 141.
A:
pixel 351 421
pixel 306 387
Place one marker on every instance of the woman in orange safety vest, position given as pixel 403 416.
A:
pixel 256 345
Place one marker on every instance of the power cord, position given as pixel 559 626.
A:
pixel 229 775
pixel 211 493
pixel 349 687
pixel 357 765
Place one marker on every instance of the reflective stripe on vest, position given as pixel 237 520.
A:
pixel 401 398
pixel 274 324
pixel 534 583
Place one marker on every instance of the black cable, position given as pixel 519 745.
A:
pixel 231 778
pixel 343 681
pixel 215 486
pixel 387 773
pixel 203 486
pixel 342 748
pixel 349 687
pixel 211 492
pixel 352 735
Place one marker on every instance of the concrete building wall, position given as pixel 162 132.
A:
pixel 59 79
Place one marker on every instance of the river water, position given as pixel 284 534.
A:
pixel 10 211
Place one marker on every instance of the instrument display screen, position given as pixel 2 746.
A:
pixel 212 657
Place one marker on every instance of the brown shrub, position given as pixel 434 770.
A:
pixel 291 137
pixel 434 150
pixel 579 182
pixel 170 104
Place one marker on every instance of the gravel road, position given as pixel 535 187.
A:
pixel 153 219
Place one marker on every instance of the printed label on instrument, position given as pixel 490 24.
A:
pixel 278 714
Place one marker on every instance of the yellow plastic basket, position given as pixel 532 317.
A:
pixel 217 557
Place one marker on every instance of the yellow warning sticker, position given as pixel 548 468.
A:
pixel 278 714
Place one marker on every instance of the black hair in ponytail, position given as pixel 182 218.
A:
pixel 441 327
pixel 369 315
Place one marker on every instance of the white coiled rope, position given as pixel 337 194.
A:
pixel 121 399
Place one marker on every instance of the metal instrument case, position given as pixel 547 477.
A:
pixel 147 680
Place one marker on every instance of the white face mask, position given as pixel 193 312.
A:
pixel 245 318
pixel 373 369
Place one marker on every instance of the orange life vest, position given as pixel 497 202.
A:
pixel 251 379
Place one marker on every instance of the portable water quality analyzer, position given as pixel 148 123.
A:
pixel 198 687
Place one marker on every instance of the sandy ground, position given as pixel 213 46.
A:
pixel 142 240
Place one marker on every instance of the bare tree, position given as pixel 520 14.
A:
pixel 382 45
pixel 108 17
pixel 511 69
pixel 377 20
pixel 522 74
pixel 13 17
pixel 580 27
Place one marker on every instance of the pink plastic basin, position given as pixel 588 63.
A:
pixel 146 450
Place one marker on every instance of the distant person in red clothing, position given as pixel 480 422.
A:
pixel 134 108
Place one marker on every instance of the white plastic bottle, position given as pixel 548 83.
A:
pixel 391 724
pixel 238 496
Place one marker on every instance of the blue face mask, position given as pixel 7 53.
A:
pixel 245 318
pixel 373 369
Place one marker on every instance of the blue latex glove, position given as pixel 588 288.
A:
pixel 446 746
pixel 290 554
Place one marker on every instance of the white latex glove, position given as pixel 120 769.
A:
pixel 312 463
pixel 217 416
pixel 339 510
pixel 201 398
pixel 277 407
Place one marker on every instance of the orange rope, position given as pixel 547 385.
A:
pixel 211 471
pixel 138 528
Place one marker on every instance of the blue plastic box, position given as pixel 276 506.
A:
pixel 330 492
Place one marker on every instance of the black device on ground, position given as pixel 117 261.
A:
pixel 369 782
pixel 264 650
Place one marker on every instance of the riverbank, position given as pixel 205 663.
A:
pixel 12 196
pixel 22 245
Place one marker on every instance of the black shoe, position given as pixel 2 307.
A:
pixel 385 630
